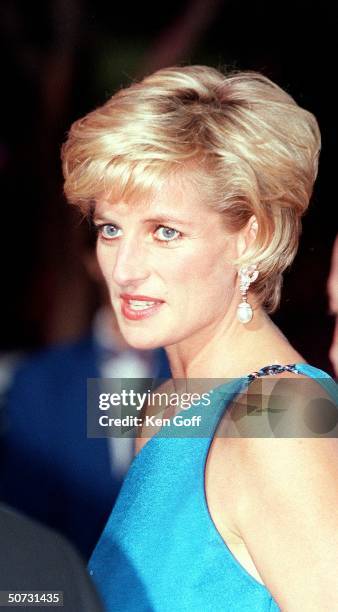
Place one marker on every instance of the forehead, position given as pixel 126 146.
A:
pixel 178 198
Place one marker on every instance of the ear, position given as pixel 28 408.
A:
pixel 246 236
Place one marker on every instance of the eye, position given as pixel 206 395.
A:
pixel 108 231
pixel 167 234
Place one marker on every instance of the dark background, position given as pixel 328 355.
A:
pixel 62 58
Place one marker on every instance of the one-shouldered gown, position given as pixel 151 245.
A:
pixel 160 550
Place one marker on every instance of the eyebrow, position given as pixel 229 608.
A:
pixel 158 219
pixel 166 219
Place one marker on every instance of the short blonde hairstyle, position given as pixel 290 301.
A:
pixel 247 144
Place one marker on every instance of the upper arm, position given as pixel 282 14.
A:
pixel 287 513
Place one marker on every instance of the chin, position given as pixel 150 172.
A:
pixel 140 341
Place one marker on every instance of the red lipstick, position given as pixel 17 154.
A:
pixel 137 307
pixel 139 298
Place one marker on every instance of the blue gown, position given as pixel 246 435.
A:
pixel 160 550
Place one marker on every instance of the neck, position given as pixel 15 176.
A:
pixel 231 349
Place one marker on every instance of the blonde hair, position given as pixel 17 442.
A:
pixel 252 149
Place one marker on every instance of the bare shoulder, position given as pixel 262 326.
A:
pixel 285 487
pixel 285 405
pixel 285 415
pixel 262 427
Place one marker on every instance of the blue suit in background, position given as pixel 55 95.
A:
pixel 50 470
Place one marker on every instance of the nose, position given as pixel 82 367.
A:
pixel 130 267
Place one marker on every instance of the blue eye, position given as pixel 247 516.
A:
pixel 109 232
pixel 167 234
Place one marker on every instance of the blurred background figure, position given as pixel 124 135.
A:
pixel 332 289
pixel 50 469
pixel 34 558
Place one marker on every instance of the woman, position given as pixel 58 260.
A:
pixel 197 182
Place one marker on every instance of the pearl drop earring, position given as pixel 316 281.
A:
pixel 248 275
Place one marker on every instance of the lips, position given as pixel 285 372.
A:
pixel 139 298
pixel 136 307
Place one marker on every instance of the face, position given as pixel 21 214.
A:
pixel 167 266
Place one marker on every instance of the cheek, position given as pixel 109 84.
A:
pixel 105 262
pixel 181 269
pixel 199 266
pixel 198 275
